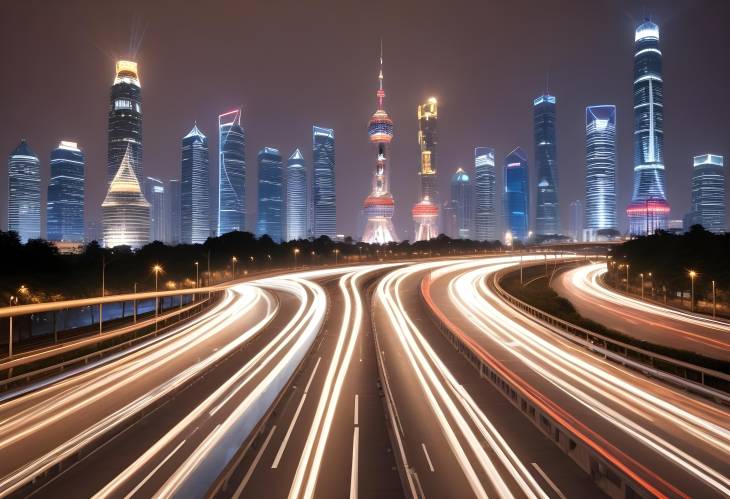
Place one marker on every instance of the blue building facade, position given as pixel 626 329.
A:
pixel 65 202
pixel 24 192
pixel 485 195
pixel 600 201
pixel 296 197
pixel 516 212
pixel 547 216
pixel 231 173
pixel 195 189
pixel 462 201
pixel 323 202
pixel 708 192
pixel 270 195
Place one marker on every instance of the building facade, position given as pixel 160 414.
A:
pixel 24 192
pixel 516 199
pixel 379 206
pixel 485 195
pixel 173 211
pixel 270 195
pixel 65 202
pixel 425 217
pixel 125 121
pixel 125 210
pixel 575 229
pixel 649 209
pixel 323 198
pixel 600 200
pixel 154 191
pixel 231 173
pixel 547 213
pixel 194 188
pixel 296 197
pixel 708 192
pixel 462 201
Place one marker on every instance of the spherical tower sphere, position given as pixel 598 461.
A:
pixel 380 127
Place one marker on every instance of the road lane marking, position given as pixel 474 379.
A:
pixel 316 366
pixel 275 464
pixel 162 463
pixel 428 458
pixel 356 409
pixel 355 446
pixel 239 490
pixel 549 482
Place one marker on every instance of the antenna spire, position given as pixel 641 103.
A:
pixel 381 92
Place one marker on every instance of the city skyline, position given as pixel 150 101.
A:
pixel 455 143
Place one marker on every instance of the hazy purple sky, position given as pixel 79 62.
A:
pixel 292 64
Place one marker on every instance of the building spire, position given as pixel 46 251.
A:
pixel 381 92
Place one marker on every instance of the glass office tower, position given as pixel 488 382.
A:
pixel 296 197
pixel 231 173
pixel 154 191
pixel 516 195
pixel 24 192
pixel 547 217
pixel 195 188
pixel 125 121
pixel 270 195
pixel 708 192
pixel 65 204
pixel 485 195
pixel 600 202
pixel 324 209
pixel 461 200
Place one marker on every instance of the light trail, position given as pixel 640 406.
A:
pixel 599 387
pixel 448 400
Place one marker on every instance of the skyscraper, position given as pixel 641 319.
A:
pixel 231 173
pixel 649 209
pixel 154 191
pixel 296 197
pixel 485 195
pixel 173 212
pixel 708 192
pixel 516 195
pixel 576 220
pixel 125 210
pixel 194 188
pixel 461 200
pixel 270 195
pixel 24 192
pixel 65 204
pixel 324 209
pixel 426 211
pixel 379 205
pixel 600 206
pixel 547 218
pixel 125 121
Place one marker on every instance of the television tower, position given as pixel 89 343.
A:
pixel 379 205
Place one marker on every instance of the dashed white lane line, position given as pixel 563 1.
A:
pixel 428 458
pixel 549 482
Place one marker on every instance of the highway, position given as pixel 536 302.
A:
pixel 666 441
pixel 641 319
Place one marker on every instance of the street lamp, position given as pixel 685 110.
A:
pixel 296 257
pixel 337 252
pixel 627 278
pixel 651 282
pixel 10 330
pixel 156 269
pixel 642 285
pixel 714 303
pixel 233 262
pixel 134 303
pixel 692 275
pixel 197 280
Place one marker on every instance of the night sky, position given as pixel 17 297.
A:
pixel 292 64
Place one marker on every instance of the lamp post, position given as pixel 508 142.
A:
pixel 233 262
pixel 103 278
pixel 134 304
pixel 627 278
pixel 692 275
pixel 10 329
pixel 642 285
pixel 296 257
pixel 156 269
pixel 521 283
pixel 197 280
pixel 314 259
pixel 337 252
pixel 651 282
pixel 714 303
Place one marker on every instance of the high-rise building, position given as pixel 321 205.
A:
pixel 576 220
pixel 426 211
pixel 449 223
pixel 708 192
pixel 125 210
pixel 195 188
pixel 379 205
pixel 24 192
pixel 547 216
pixel 125 121
pixel 600 206
pixel 65 204
pixel 516 195
pixel 173 212
pixel 154 191
pixel 296 197
pixel 323 197
pixel 270 195
pixel 485 195
pixel 649 209
pixel 231 173
pixel 462 201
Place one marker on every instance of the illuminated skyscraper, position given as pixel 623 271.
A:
pixel 125 210
pixel 154 191
pixel 296 197
pixel 485 195
pixel 379 205
pixel 194 189
pixel 24 192
pixel 516 195
pixel 231 173
pixel 125 121
pixel 708 192
pixel 324 208
pixel 576 220
pixel 426 211
pixel 65 205
pixel 173 212
pixel 270 195
pixel 547 218
pixel 649 209
pixel 461 200
pixel 600 206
